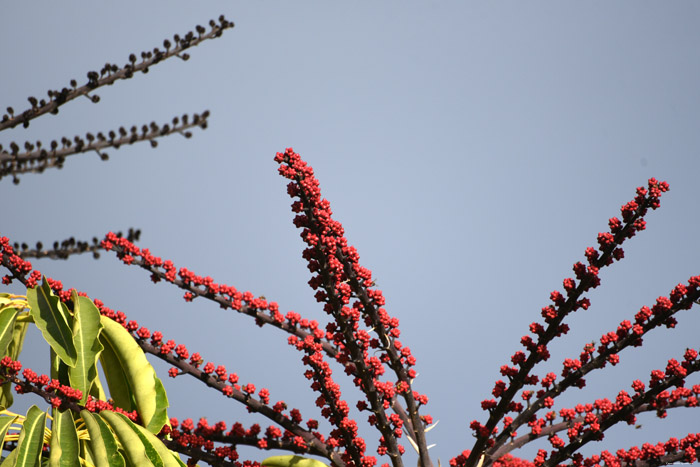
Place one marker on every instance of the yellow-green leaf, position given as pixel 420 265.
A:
pixel 115 374
pixel 96 390
pixel 176 456
pixel 138 452
pixel 65 450
pixel 59 370
pixel 10 460
pixel 160 417
pixel 5 422
pixel 86 457
pixel 292 461
pixel 144 386
pixel 31 438
pixel 103 444
pixel 13 351
pixel 52 319
pixel 18 333
pixel 170 459
pixel 7 327
pixel 86 330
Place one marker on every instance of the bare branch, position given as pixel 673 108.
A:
pixel 111 73
pixel 145 260
pixel 36 158
pixel 68 247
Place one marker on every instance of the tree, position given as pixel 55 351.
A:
pixel 361 338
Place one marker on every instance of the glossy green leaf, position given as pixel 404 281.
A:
pixel 103 444
pixel 115 374
pixel 291 461
pixel 10 460
pixel 145 387
pixel 96 390
pixel 65 450
pixel 7 327
pixel 20 330
pixel 86 456
pixel 170 459
pixel 139 451
pixel 160 417
pixel 13 351
pixel 52 319
pixel 86 330
pixel 5 422
pixel 31 438
pixel 176 456
pixel 59 370
pixel 6 398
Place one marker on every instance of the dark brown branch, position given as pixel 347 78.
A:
pixel 76 408
pixel 12 262
pixel 198 454
pixel 416 427
pixel 36 158
pixel 68 247
pixel 356 354
pixel 545 338
pixel 315 446
pixel 261 318
pixel 595 363
pixel 561 426
pixel 111 73
pixel 622 414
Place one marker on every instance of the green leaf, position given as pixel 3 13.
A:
pixel 59 370
pixel 139 451
pixel 103 444
pixel 170 459
pixel 7 327
pixel 115 374
pixel 10 460
pixel 86 330
pixel 65 450
pixel 31 438
pixel 13 351
pixel 86 456
pixel 96 390
pixel 20 330
pixel 52 318
pixel 160 417
pixel 5 422
pixel 292 461
pixel 176 456
pixel 143 384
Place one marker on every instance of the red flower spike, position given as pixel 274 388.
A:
pixel 356 309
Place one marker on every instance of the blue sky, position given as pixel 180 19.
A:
pixel 472 151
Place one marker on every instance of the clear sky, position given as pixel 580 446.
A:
pixel 473 150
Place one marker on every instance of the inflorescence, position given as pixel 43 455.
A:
pixel 364 339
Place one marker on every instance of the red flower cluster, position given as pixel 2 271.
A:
pixel 364 339
pixel 345 289
pixel 57 394
pixel 201 438
pixel 19 268
pixel 214 375
pixel 585 422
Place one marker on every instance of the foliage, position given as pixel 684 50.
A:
pixel 108 407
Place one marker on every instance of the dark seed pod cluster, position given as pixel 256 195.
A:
pixel 69 246
pixel 36 157
pixel 111 73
